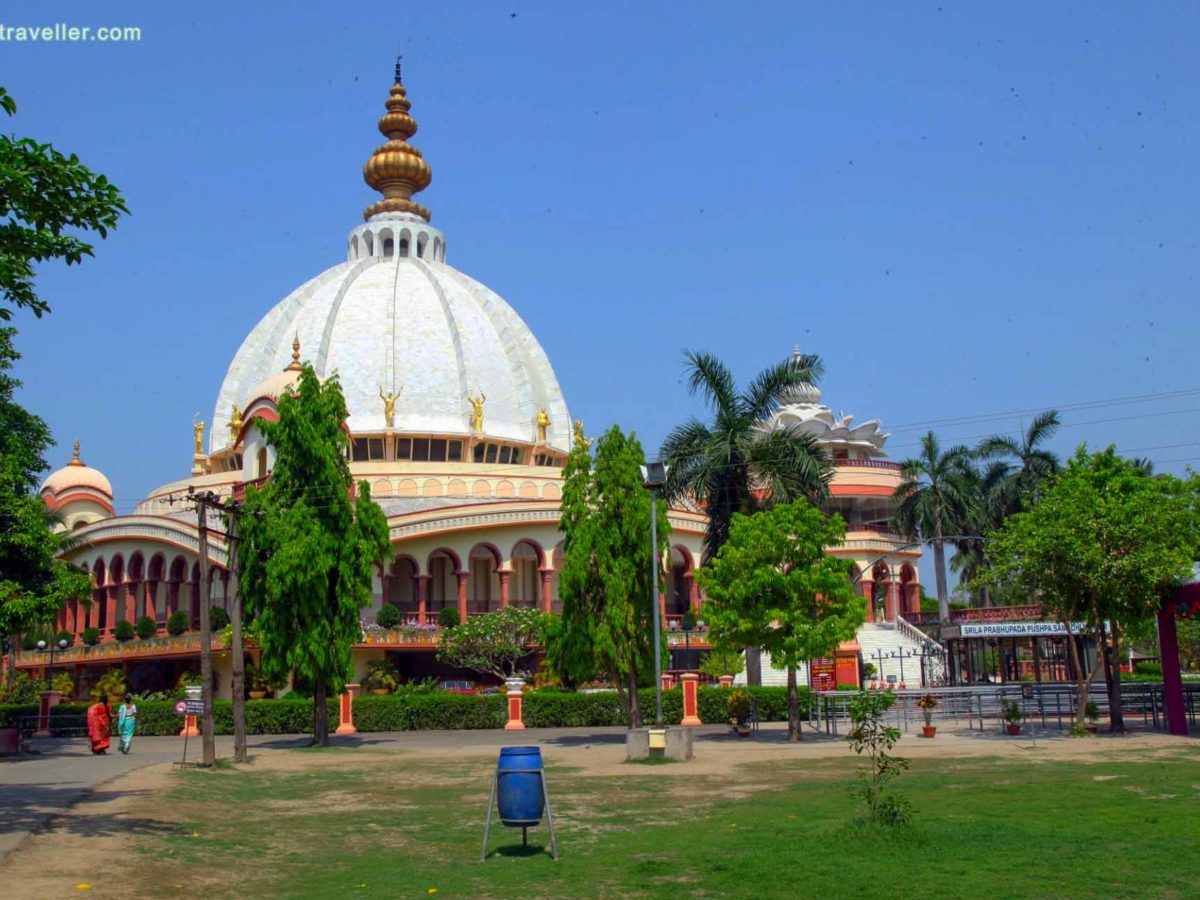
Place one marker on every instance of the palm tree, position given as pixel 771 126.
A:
pixel 1020 467
pixel 935 497
pixel 735 463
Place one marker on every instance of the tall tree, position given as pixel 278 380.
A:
pixel 733 464
pixel 1021 467
pixel 34 583
pixel 605 582
pixel 306 549
pixel 774 585
pixel 1102 544
pixel 933 498
pixel 45 195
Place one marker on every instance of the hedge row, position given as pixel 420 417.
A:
pixel 421 712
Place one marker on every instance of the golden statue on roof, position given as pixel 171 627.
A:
pixel 543 423
pixel 389 405
pixel 476 401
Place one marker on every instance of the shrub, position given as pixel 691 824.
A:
pixel 146 627
pixel 722 661
pixel 65 635
pixel 1148 668
pixel 28 641
pixel 217 618
pixel 111 685
pixel 448 617
pixel 177 624
pixel 22 688
pixel 381 676
pixel 91 636
pixel 388 616
pixel 1012 712
pixel 64 684
pixel 123 631
pixel 738 705
pixel 871 735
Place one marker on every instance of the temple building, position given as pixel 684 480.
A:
pixel 457 422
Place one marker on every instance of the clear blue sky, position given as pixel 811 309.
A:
pixel 963 210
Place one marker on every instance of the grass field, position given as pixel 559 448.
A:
pixel 364 823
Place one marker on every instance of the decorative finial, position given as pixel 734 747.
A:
pixel 396 169
pixel 399 80
pixel 75 460
pixel 295 365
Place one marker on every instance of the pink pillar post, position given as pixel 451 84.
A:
pixel 691 703
pixel 504 577
pixel 462 596
pixel 668 681
pixel 693 591
pixel 422 596
pixel 110 610
pixel 172 598
pixel 725 680
pixel 889 609
pixel 130 601
pixel 662 609
pixel 546 576
pixel 49 700
pixel 912 602
pixel 868 591
pixel 151 603
pixel 346 710
pixel 69 617
pixel 93 614
pixel 1168 650
pixel 515 721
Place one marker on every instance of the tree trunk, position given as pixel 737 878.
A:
pixel 793 698
pixel 754 666
pixel 320 714
pixel 1116 715
pixel 939 572
pixel 13 643
pixel 1081 683
pixel 985 596
pixel 635 706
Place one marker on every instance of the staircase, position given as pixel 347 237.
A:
pixel 873 637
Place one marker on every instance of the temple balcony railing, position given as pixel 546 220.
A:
pixel 867 464
pixel 1022 613
pixel 81 654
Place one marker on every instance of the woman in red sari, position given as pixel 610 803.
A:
pixel 99 725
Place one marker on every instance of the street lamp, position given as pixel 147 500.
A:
pixel 42 647
pixel 654 477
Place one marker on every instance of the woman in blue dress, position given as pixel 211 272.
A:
pixel 126 723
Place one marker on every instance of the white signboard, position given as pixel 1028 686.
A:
pixel 1020 629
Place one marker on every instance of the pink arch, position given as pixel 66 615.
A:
pixel 492 549
pixel 536 547
pixel 448 553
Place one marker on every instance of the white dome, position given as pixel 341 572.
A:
pixel 406 323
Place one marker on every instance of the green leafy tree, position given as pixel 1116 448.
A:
pixel 1105 542
pixel 773 585
pixel 306 549
pixel 44 196
pixel 34 583
pixel 722 661
pixel 494 643
pixel 604 584
pixel 934 498
pixel 733 464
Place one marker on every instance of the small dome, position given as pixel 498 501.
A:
pixel 281 383
pixel 76 474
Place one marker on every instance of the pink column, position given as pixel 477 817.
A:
pixel 110 610
pixel 346 710
pixel 1168 648
pixel 515 721
pixel 172 598
pixel 912 600
pixel 93 613
pixel 868 591
pixel 693 591
pixel 691 704
pixel 662 609
pixel 504 576
pixel 462 596
pixel 889 609
pixel 130 601
pixel 151 604
pixel 68 617
pixel 547 574
pixel 422 596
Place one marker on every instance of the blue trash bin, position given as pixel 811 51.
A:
pixel 519 786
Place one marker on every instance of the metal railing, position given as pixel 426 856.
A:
pixel 982 708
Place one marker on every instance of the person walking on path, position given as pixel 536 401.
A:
pixel 99 725
pixel 126 723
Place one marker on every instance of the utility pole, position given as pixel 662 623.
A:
pixel 203 500
pixel 233 510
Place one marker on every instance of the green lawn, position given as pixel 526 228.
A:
pixel 379 825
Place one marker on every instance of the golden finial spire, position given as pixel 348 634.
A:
pixel 295 365
pixel 75 460
pixel 396 169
